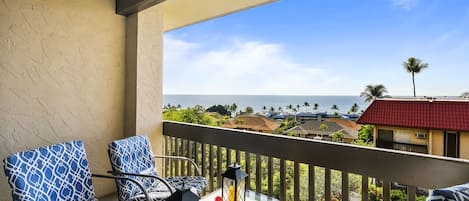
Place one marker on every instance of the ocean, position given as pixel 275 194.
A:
pixel 344 103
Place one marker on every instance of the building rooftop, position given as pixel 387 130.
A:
pixel 252 122
pixel 313 127
pixel 418 113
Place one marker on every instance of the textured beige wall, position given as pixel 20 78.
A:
pixel 437 142
pixel 406 135
pixel 61 77
pixel 464 145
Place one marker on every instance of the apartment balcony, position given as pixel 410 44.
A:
pixel 281 164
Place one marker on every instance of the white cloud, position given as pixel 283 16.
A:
pixel 239 67
pixel 405 4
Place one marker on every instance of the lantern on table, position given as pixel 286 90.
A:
pixel 233 184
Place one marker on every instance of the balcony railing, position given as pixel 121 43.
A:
pixel 267 154
pixel 403 146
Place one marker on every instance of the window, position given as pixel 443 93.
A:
pixel 451 144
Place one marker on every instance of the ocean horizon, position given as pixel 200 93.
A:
pixel 257 102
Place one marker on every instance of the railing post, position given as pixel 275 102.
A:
pixel 219 162
pixel 270 176
pixel 210 170
pixel 204 163
pixel 345 195
pixel 296 180
pixel 311 182
pixel 364 188
pixel 258 173
pixel 283 189
pixel 182 152
pixel 166 152
pixel 386 190
pixel 327 184
pixel 177 153
pixel 228 157
pixel 189 155
pixel 247 159
pixel 411 191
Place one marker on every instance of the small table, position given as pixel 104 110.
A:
pixel 250 196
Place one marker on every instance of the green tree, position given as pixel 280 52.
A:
pixel 373 91
pixel 233 108
pixel 335 108
pixel 220 109
pixel 272 110
pixel 306 105
pixel 338 136
pixel 354 108
pixel 249 110
pixel 323 127
pixel 365 133
pixel 194 115
pixel 316 107
pixel 290 107
pixel 414 66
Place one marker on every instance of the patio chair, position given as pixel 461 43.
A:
pixel 54 172
pixel 133 157
pixel 454 193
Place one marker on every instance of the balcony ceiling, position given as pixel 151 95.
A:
pixel 180 13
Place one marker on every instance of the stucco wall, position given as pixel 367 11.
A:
pixel 464 145
pixel 61 78
pixel 437 142
pixel 406 135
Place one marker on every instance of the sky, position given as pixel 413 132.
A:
pixel 323 47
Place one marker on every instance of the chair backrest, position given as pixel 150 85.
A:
pixel 54 172
pixel 456 193
pixel 132 155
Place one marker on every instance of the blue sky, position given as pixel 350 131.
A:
pixel 323 47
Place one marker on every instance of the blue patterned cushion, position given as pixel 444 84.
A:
pixel 132 155
pixel 55 172
pixel 454 193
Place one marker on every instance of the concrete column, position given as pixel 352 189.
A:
pixel 144 68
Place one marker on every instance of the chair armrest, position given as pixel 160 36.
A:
pixel 144 175
pixel 197 171
pixel 147 196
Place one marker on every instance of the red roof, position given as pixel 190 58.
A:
pixel 434 114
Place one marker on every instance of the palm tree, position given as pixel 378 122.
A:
pixel 334 107
pixel 316 107
pixel 306 105
pixel 413 66
pixel 354 108
pixel 373 91
pixel 298 107
pixel 264 108
pixel 272 110
pixel 233 109
pixel 290 107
